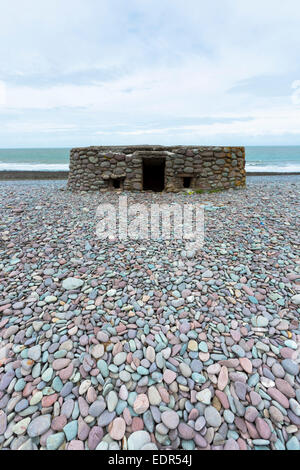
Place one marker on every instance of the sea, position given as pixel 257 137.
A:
pixel 258 159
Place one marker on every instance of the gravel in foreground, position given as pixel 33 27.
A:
pixel 141 345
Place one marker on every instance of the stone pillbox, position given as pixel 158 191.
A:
pixel 156 168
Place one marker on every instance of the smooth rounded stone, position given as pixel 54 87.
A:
pixel 102 446
pixel 47 375
pixel 20 385
pixel 75 445
pixel 58 423
pixel 240 390
pixel 21 405
pixel 34 353
pixel 203 347
pixel 192 345
pixel 138 439
pixel 255 398
pixel 278 370
pixel 279 397
pixel 161 429
pixel 169 376
pixel 231 444
pixel 54 441
pixel 3 422
pixel 97 408
pixel 223 378
pixel 259 321
pixel 112 400
pixel 50 299
pixel 214 369
pixel 97 351
pixel 150 354
pixel 246 364
pixel 185 369
pixel 170 419
pixel 196 366
pixel 70 430
pixel 291 344
pixel 275 414
pixel 59 364
pixel 67 408
pixel 290 366
pixel 117 430
pixel 125 376
pixel 21 427
pixel 200 423
pixel 293 444
pixel 39 426
pixel 36 398
pixel 95 436
pixel 296 299
pixel 111 293
pixel 204 396
pixel 238 350
pixel 150 446
pixel 57 384
pixel 228 416
pixel 285 388
pixel 106 418
pixel 123 392
pixel 295 406
pixel 262 428
pixel 156 414
pixel 72 283
pixel 154 396
pixel 120 358
pixel 185 431
pixel 141 404
pixel 83 429
pixel 10 331
pixel 200 441
pixel 26 444
pixel 251 414
pixel 213 417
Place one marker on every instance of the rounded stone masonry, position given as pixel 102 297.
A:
pixel 156 168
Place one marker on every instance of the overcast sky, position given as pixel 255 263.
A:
pixel 92 72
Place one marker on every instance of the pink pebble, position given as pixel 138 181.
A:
pixel 223 378
pixel 59 364
pixel 58 423
pixel 164 394
pixel 49 400
pixel 263 428
pixel 75 445
pixel 287 353
pixel 169 376
pixel 117 429
pixel 223 399
pixel 127 416
pixel 66 373
pixel 246 364
pixel 137 424
pixel 278 396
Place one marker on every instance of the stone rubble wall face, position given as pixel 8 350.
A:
pixel 94 168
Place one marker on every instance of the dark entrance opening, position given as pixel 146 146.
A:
pixel 154 174
pixel 187 182
pixel 117 184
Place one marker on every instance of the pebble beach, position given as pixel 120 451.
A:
pixel 142 345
